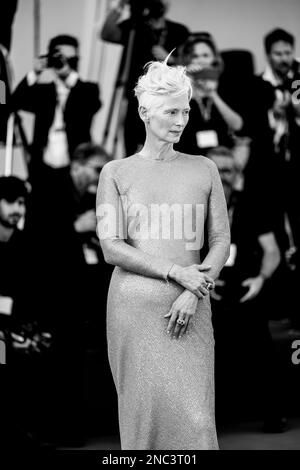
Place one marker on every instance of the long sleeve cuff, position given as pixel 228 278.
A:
pixel 31 78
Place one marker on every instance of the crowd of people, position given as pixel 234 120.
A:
pixel 54 280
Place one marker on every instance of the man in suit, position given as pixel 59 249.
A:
pixel 62 103
pixel 17 393
pixel 274 157
pixel 63 106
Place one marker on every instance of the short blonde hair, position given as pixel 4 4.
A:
pixel 161 80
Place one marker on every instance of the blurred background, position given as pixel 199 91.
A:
pixel 62 122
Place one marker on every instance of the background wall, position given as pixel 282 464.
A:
pixel 239 23
pixel 57 16
pixel 234 23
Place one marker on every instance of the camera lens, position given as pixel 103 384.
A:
pixel 57 61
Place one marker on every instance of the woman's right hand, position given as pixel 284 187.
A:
pixel 193 278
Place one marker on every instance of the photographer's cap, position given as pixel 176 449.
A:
pixel 62 40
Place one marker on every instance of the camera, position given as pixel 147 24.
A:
pixel 207 73
pixel 57 60
pixel 144 9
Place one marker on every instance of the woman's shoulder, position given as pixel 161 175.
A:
pixel 198 160
pixel 202 166
pixel 113 167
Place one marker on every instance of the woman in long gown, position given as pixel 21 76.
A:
pixel 152 209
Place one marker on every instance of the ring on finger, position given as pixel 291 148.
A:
pixel 180 322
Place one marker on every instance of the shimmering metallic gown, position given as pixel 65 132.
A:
pixel 165 387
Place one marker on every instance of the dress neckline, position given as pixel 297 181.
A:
pixel 157 160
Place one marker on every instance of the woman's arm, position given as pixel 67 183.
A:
pixel 217 225
pixel 111 30
pixel 112 227
pixel 232 119
pixel 269 264
pixel 112 231
pixel 271 255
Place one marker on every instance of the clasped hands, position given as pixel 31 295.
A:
pixel 197 285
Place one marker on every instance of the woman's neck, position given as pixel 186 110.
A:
pixel 157 150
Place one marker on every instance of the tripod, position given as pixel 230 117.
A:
pixel 146 29
pixel 12 121
pixel 118 93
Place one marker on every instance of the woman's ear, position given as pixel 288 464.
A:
pixel 143 114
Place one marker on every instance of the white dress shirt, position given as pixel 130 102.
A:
pixel 56 153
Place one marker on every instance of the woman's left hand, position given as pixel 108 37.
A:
pixel 181 311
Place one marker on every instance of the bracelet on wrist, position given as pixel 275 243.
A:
pixel 167 278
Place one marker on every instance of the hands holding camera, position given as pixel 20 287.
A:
pixel 118 5
pixel 43 73
pixel 204 80
pixel 205 88
pixel 40 64
pixel 160 53
pixel 55 65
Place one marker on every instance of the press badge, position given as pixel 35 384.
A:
pixel 206 139
pixel 232 255
pixel 6 305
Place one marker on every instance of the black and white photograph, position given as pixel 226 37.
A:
pixel 149 228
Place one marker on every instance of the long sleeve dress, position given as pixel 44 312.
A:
pixel 151 214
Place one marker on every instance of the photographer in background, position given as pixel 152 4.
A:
pixel 13 196
pixel 63 106
pixel 281 72
pixel 62 103
pixel 147 35
pixel 212 121
pixel 241 301
pixel 16 306
pixel 274 158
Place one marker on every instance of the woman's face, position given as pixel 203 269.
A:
pixel 202 55
pixel 168 118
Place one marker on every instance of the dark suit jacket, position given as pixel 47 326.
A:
pixel 40 99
